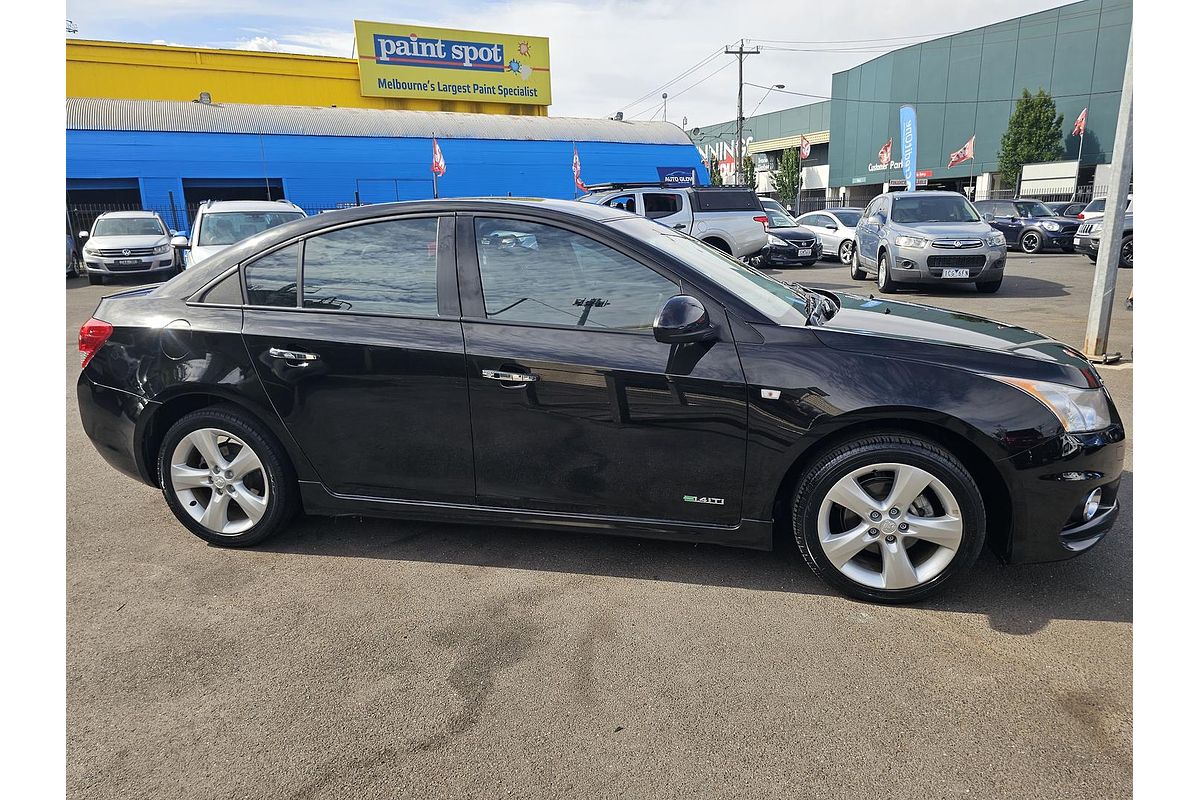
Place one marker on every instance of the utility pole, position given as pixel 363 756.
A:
pixel 741 54
pixel 1095 343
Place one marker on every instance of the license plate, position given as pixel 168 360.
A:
pixel 1078 242
pixel 956 273
pixel 807 251
pixel 128 262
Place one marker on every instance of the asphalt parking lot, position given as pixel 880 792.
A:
pixel 370 658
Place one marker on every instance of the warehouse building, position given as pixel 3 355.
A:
pixel 964 88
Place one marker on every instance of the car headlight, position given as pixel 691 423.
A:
pixel 1078 409
pixel 162 248
pixel 775 241
pixel 911 241
pixel 1051 226
pixel 995 239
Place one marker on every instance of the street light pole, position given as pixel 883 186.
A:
pixel 741 52
pixel 1095 342
pixel 664 106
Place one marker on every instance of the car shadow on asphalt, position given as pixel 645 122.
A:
pixel 1018 600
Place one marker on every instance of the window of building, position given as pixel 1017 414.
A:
pixel 271 280
pixel 538 273
pixel 379 268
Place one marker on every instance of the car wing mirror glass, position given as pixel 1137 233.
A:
pixel 180 242
pixel 683 319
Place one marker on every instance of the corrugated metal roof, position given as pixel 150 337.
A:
pixel 94 114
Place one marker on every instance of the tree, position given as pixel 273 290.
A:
pixel 748 171
pixel 787 177
pixel 1034 135
pixel 714 172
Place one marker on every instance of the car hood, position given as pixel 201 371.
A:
pixel 1059 220
pixel 910 330
pixel 944 230
pixel 799 232
pixel 198 254
pixel 122 242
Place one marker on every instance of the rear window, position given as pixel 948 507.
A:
pixel 727 200
pixel 849 218
pixel 1095 205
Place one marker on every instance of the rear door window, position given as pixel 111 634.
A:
pixel 661 204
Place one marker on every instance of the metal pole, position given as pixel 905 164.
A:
pixel 741 54
pixel 1095 343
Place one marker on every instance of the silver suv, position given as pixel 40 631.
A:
pixel 927 237
pixel 222 223
pixel 124 242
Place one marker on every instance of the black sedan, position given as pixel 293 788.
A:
pixel 551 363
pixel 789 244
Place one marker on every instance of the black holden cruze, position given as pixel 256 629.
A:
pixel 543 362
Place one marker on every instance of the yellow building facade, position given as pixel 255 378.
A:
pixel 129 71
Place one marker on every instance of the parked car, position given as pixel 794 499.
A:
pixel 836 227
pixel 222 223
pixel 771 203
pixel 727 218
pixel 1096 208
pixel 1087 240
pixel 788 243
pixel 927 237
pixel 1069 208
pixel 1029 225
pixel 408 360
pixel 72 258
pixel 127 242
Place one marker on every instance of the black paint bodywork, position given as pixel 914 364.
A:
pixel 620 428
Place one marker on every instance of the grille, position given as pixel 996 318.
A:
pixel 957 244
pixel 131 267
pixel 803 242
pixel 942 262
pixel 134 252
pixel 1086 227
pixel 1068 230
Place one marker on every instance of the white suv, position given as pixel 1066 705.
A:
pixel 124 242
pixel 221 223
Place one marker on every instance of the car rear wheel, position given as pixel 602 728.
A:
pixel 857 273
pixel 1031 242
pixel 226 479
pixel 886 284
pixel 888 517
pixel 846 252
pixel 1127 252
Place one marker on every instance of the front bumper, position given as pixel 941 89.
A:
pixel 929 264
pixel 791 255
pixel 1049 485
pixel 142 264
pixel 1088 245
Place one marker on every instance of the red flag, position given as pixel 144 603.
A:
pixel 964 153
pixel 885 153
pixel 805 147
pixel 439 163
pixel 575 169
pixel 1080 123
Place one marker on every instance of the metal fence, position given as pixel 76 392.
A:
pixel 1081 194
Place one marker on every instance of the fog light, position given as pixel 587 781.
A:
pixel 1091 505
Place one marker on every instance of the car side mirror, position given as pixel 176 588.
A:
pixel 179 242
pixel 83 234
pixel 683 319
pixel 989 217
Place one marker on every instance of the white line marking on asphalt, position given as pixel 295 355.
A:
pixel 1122 365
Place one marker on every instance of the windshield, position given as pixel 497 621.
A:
pixel 128 226
pixel 228 227
pixel 936 208
pixel 1031 209
pixel 779 302
pixel 848 218
pixel 779 220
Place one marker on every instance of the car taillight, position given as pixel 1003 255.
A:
pixel 92 336
pixel 763 220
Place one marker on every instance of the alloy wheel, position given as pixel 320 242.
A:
pixel 219 480
pixel 890 526
pixel 846 252
pixel 1030 242
pixel 1127 253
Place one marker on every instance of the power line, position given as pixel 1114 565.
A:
pixel 930 102
pixel 657 105
pixel 674 80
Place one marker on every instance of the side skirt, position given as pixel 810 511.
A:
pixel 749 533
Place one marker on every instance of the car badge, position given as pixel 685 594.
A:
pixel 125 252
pixel 957 243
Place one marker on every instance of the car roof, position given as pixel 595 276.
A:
pixel 129 215
pixel 249 205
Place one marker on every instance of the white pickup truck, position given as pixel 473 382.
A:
pixel 729 219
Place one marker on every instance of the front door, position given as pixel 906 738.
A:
pixel 366 372
pixel 575 407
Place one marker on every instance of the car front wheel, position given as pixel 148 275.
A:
pixel 857 272
pixel 886 284
pixel 225 478
pixel 1127 252
pixel 888 517
pixel 1031 242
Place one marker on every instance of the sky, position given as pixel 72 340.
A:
pixel 606 55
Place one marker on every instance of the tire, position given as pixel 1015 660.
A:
pixel 1127 252
pixel 857 273
pixel 873 462
pixel 886 284
pixel 1031 242
pixel 266 489
pixel 988 287
pixel 95 280
pixel 845 254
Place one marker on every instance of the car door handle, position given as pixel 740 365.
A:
pixel 679 226
pixel 509 377
pixel 292 355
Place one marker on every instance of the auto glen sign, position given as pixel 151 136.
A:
pixel 443 64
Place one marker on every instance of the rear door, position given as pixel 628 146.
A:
pixel 575 407
pixel 670 208
pixel 365 363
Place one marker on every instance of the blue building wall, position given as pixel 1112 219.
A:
pixel 319 172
